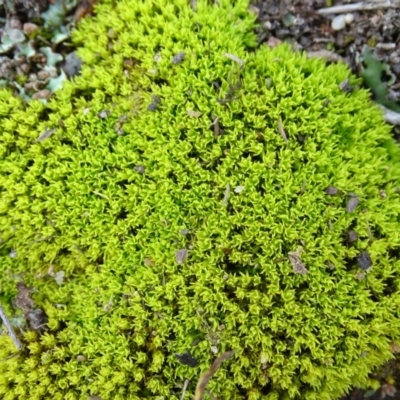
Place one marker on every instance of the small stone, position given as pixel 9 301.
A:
pixel 352 203
pixel 267 25
pixel 187 359
pixel 382 194
pixel 140 169
pixel 339 22
pixel 352 236
pixel 104 114
pixel 12 254
pixel 349 18
pixel 29 28
pixel 43 75
pixel 41 94
pixel 72 64
pixel 15 35
pixel 364 260
pixel 184 232
pixel 331 191
pixel 25 68
pixel 214 349
pixel 15 22
pixel 181 256
pixel 81 358
pixel 59 277
pixel 178 58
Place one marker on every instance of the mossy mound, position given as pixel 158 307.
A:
pixel 170 182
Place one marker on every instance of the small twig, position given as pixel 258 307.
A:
pixel 10 330
pixel 201 385
pixel 362 6
pixel 390 116
pixel 185 386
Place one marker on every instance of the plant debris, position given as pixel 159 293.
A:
pixel 364 260
pixel 206 376
pixel 178 58
pixel 154 104
pixel 187 359
pixel 298 266
pixel 282 131
pixel 181 256
pixel 18 344
pixel 36 317
pixel 46 134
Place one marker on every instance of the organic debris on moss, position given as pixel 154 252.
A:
pixel 96 187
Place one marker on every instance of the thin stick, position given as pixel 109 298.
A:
pixel 10 330
pixel 185 386
pixel 364 6
pixel 202 383
pixel 390 116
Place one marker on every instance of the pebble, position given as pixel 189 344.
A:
pixel 43 75
pixel 349 18
pixel 41 94
pixel 72 65
pixel 15 35
pixel 30 28
pixel 338 23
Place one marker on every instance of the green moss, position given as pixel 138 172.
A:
pixel 107 209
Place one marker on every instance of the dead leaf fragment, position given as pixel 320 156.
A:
pixel 37 319
pixel 298 266
pixel 194 114
pixel 204 378
pixel 327 54
pixel 345 86
pixel 23 300
pixel 234 58
pixel 181 256
pixel 45 135
pixel 227 194
pixel 282 131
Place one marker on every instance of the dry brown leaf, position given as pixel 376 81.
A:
pixel 23 299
